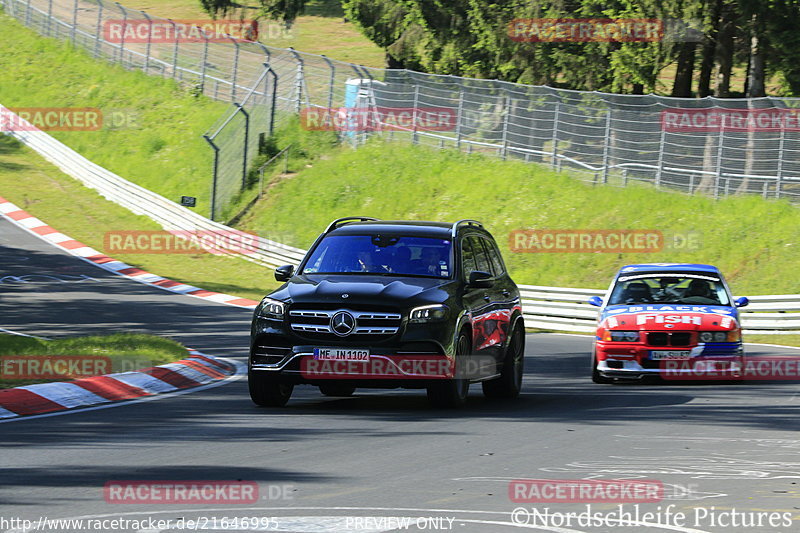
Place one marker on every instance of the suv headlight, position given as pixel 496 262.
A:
pixel 271 309
pixel 621 336
pixel 428 313
pixel 719 336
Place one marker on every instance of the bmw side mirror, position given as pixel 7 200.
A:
pixel 741 302
pixel 595 301
pixel 283 273
pixel 479 279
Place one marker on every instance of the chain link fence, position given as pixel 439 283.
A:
pixel 712 146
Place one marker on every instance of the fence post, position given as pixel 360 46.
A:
pixel 246 141
pixel 174 48
pixel 331 81
pixel 205 61
pixel 274 97
pixel 265 50
pixel 459 113
pixel 235 72
pixel 74 21
pixel 28 13
pixel 624 177
pixel 781 154
pixel 98 30
pixel 660 168
pixel 607 146
pixel 414 115
pixel 50 16
pixel 214 177
pixel 506 111
pixel 149 41
pixel 298 87
pixel 122 39
pixel 718 177
pixel 554 157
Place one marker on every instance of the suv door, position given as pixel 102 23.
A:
pixel 490 325
pixel 505 294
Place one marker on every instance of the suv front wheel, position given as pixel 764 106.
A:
pixel 509 384
pixel 452 392
pixel 267 390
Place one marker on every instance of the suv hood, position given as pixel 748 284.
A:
pixel 364 289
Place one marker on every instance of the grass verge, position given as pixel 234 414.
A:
pixel 159 143
pixel 117 353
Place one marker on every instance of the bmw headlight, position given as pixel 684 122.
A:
pixel 271 309
pixel 428 313
pixel 621 336
pixel 713 336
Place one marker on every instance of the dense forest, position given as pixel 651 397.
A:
pixel 723 48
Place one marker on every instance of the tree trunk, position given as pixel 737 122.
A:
pixel 638 88
pixel 708 51
pixel 755 74
pixel 682 86
pixel 725 52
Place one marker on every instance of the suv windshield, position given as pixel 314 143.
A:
pixel 669 288
pixel 381 254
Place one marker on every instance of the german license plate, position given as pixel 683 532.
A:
pixel 341 354
pixel 660 355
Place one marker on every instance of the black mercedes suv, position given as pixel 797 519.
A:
pixel 388 304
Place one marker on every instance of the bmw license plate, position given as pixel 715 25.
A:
pixel 341 354
pixel 659 355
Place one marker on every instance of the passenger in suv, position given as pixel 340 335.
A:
pixel 389 304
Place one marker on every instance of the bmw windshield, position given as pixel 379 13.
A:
pixel 395 255
pixel 669 288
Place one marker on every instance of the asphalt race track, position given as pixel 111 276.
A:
pixel 724 453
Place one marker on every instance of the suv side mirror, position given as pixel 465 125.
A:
pixel 283 273
pixel 595 301
pixel 741 302
pixel 479 279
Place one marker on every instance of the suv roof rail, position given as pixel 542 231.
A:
pixel 464 222
pixel 342 221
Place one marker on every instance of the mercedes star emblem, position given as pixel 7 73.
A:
pixel 343 323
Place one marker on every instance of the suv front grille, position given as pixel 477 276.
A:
pixel 677 338
pixel 316 323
